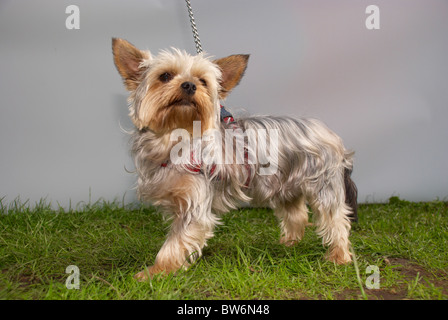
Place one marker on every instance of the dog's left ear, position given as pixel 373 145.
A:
pixel 232 68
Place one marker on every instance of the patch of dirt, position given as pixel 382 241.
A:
pixel 22 281
pixel 25 278
pixel 409 271
pixel 374 294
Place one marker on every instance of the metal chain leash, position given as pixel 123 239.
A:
pixel 197 41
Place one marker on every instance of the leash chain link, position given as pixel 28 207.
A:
pixel 197 41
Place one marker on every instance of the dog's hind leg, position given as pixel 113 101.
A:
pixel 293 220
pixel 332 219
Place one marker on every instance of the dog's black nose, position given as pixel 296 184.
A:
pixel 189 88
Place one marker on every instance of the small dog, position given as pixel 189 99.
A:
pixel 175 92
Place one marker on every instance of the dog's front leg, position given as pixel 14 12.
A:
pixel 192 225
pixel 182 247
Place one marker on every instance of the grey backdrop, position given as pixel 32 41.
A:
pixel 384 91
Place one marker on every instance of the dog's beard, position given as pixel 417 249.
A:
pixel 181 114
pixel 163 111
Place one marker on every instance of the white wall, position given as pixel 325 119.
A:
pixel 384 91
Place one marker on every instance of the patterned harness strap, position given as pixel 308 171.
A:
pixel 226 116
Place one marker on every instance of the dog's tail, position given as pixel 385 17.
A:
pixel 351 191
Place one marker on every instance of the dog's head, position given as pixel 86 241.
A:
pixel 173 89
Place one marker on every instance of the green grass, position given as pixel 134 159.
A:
pixel 109 243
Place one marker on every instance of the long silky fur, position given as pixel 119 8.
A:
pixel 313 165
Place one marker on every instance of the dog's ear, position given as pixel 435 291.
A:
pixel 127 59
pixel 232 68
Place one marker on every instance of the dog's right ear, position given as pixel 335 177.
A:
pixel 127 59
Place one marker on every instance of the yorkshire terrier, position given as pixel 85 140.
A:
pixel 176 96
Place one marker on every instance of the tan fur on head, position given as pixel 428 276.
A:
pixel 162 106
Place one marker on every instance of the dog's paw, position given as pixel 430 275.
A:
pixel 339 256
pixel 147 274
pixel 142 276
pixel 288 242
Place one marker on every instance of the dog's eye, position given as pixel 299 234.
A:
pixel 204 83
pixel 166 77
